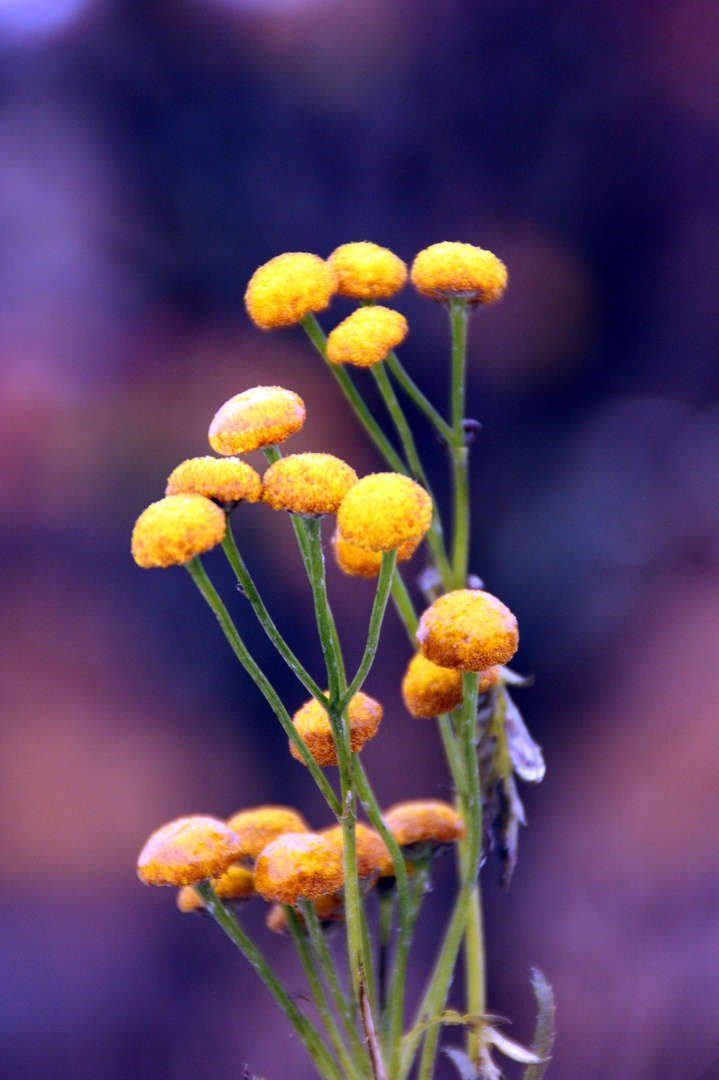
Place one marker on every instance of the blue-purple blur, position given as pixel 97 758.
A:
pixel 153 154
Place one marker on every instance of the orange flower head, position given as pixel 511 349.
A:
pixel 298 866
pixel 329 908
pixel 312 484
pixel 367 272
pixel 366 336
pixel 468 629
pixel 355 562
pixel 448 270
pixel 234 887
pixel 288 287
pixel 424 827
pixel 313 725
pixel 429 690
pixel 383 511
pixel 175 529
pixel 262 416
pixel 372 853
pixel 187 851
pixel 226 480
pixel 259 826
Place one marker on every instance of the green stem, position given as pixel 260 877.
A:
pixel 386 912
pixel 306 1031
pixel 474 974
pixel 379 607
pixel 316 335
pixel 325 620
pixel 422 869
pixel 198 575
pixel 458 316
pixel 250 590
pixel 404 607
pixel 415 394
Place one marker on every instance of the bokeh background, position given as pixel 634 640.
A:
pixel 154 152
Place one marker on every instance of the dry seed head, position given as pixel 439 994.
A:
pixel 468 629
pixel 175 529
pixel 187 851
pixel 259 826
pixel 262 416
pixel 383 511
pixel 429 690
pixel 366 336
pixel 288 287
pixel 426 822
pixel 235 884
pixel 313 726
pixel 298 866
pixel 227 480
pixel 308 483
pixel 356 562
pixel 372 852
pixel 366 271
pixel 446 270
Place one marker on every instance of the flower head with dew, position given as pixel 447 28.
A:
pixel 187 851
pixel 366 336
pixel 288 287
pixel 448 270
pixel 372 852
pixel 383 511
pixel 313 484
pixel 356 562
pixel 260 825
pixel 429 690
pixel 226 480
pixel 235 887
pixel 424 827
pixel 468 629
pixel 261 416
pixel 176 529
pixel 366 271
pixel 313 726
pixel 298 866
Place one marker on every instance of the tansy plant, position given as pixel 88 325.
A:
pixel 355 875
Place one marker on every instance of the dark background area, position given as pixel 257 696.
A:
pixel 153 154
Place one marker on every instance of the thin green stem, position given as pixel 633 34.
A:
pixel 474 973
pixel 458 316
pixel 379 607
pixel 306 1031
pixel 410 387
pixel 325 620
pixel 198 575
pixel 404 607
pixel 422 869
pixel 316 335
pixel 386 899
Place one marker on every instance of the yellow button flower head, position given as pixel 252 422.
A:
pixel 424 826
pixel 298 866
pixel 308 483
pixel 313 725
pixel 175 529
pixel 372 852
pixel 366 336
pixel 262 416
pixel 468 629
pixel 187 851
pixel 288 287
pixel 235 887
pixel 329 908
pixel 445 270
pixel 383 511
pixel 358 563
pixel 259 826
pixel 227 480
pixel 428 690
pixel 367 272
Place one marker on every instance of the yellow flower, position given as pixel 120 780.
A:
pixel 428 690
pixel 313 725
pixel 298 866
pixel 234 887
pixel 372 852
pixel 366 336
pixel 227 480
pixel 329 908
pixel 308 483
pixel 424 826
pixel 383 511
pixel 259 826
pixel 288 287
pixel 356 562
pixel 262 416
pixel 187 851
pixel 367 272
pixel 468 629
pixel 463 270
pixel 175 529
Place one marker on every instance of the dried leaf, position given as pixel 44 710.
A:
pixel 512 1049
pixel 462 1063
pixel 526 755
pixel 544 1030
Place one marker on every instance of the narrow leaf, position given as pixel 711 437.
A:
pixel 512 1049
pixel 526 754
pixel 462 1063
pixel 544 1030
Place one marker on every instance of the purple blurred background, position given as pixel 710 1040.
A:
pixel 153 154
